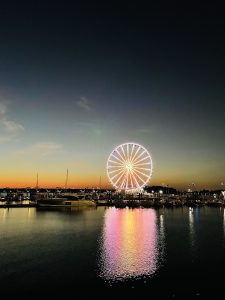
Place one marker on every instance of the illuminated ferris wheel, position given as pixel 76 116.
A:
pixel 129 167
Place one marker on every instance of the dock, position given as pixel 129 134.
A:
pixel 18 205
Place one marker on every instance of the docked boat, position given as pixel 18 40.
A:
pixel 64 202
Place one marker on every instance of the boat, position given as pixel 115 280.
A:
pixel 65 202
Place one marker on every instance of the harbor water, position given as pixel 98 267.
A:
pixel 172 252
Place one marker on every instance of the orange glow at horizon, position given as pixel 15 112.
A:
pixel 53 180
pixel 82 175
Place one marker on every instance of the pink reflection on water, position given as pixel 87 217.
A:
pixel 129 243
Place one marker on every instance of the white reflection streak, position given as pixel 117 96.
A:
pixel 162 235
pixel 161 226
pixel 224 221
pixel 4 215
pixel 191 225
pixel 31 213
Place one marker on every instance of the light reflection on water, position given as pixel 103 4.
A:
pixel 224 221
pixel 10 214
pixel 129 245
pixel 3 214
pixel 58 248
pixel 191 226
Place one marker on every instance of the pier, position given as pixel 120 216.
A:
pixel 90 197
pixel 11 205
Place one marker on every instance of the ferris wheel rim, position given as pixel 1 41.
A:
pixel 119 162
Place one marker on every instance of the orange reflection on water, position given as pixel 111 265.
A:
pixel 129 243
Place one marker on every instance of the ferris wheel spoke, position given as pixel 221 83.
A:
pixel 127 180
pixel 110 167
pixel 111 172
pixel 132 150
pixel 141 173
pixel 119 178
pixel 139 177
pixel 121 147
pixel 145 169
pixel 117 151
pixel 135 154
pixel 135 179
pixel 123 182
pixel 142 164
pixel 140 160
pixel 117 158
pixel 115 162
pixel 117 174
pixel 128 151
pixel 139 156
pixel 131 181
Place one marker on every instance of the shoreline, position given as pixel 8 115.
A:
pixel 116 205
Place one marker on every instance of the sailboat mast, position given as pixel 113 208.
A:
pixel 37 182
pixel 100 183
pixel 66 178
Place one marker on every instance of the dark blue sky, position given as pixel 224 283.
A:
pixel 78 79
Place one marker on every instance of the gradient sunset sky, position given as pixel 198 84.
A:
pixel 78 79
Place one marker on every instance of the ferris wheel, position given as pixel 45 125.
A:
pixel 129 167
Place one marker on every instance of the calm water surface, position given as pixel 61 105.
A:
pixel 169 252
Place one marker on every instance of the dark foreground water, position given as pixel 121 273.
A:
pixel 174 253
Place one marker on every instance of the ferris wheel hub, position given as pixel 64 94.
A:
pixel 129 166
